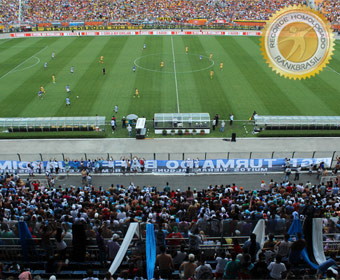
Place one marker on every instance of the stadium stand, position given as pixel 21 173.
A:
pixel 39 11
pixel 76 228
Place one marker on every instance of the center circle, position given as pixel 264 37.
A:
pixel 183 63
pixel 298 42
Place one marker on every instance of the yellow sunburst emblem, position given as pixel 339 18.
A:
pixel 297 42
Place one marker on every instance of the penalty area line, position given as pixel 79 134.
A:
pixel 174 62
pixel 16 67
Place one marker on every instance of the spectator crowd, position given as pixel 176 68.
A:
pixel 177 11
pixel 185 221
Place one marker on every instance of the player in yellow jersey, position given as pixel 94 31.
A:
pixel 211 74
pixel 53 79
pixel 210 56
pixel 101 59
pixel 42 89
pixel 186 50
pixel 221 66
pixel 162 64
pixel 137 93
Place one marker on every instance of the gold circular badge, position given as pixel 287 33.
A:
pixel 297 42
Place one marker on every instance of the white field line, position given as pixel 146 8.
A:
pixel 333 70
pixel 174 61
pixel 16 67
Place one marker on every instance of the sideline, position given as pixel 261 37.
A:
pixel 174 61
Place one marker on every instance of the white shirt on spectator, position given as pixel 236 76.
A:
pixel 276 270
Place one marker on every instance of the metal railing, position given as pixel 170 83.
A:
pixel 171 156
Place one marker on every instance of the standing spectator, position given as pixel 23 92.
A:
pixel 101 246
pixel 232 268
pixel 251 247
pixel 188 268
pixel 217 118
pixel 221 261
pixel 284 247
pixel 194 242
pixel 296 249
pixel 288 171
pixel 196 165
pixel 231 119
pixel 222 126
pixel 165 264
pixel 113 125
pixel 113 247
pixel 129 129
pixel 60 243
pixel 214 124
pixel 123 122
pixel 179 257
pixel 142 164
pixel 46 232
pixel 25 275
pixel 297 173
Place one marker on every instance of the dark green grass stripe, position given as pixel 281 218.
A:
pixel 37 78
pixel 148 83
pixel 25 53
pixel 328 94
pixel 94 78
pixel 274 98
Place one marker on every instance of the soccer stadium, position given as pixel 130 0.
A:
pixel 185 139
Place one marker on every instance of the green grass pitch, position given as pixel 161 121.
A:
pixel 245 84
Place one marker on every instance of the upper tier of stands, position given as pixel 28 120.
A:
pixel 177 11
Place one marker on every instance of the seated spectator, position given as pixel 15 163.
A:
pixel 232 268
pixel 165 264
pixel 204 270
pixel 89 275
pixel 277 268
pixel 187 269
pixel 260 268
